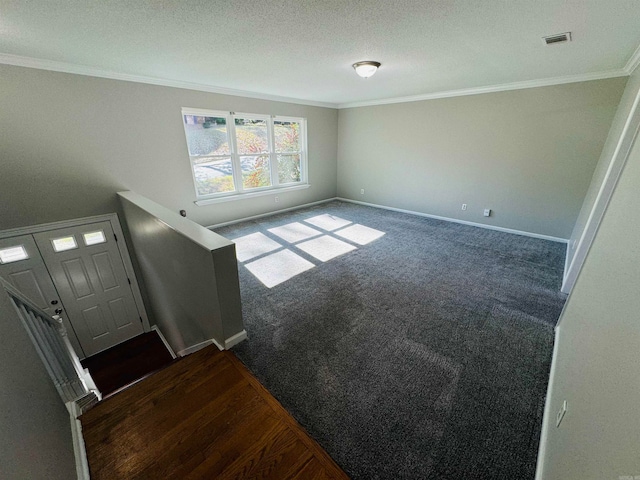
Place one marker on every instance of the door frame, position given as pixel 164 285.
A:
pixel 113 219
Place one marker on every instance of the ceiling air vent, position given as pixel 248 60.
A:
pixel 557 38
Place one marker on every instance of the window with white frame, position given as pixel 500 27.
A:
pixel 236 154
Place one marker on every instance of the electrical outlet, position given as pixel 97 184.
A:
pixel 277 199
pixel 464 206
pixel 561 412
pixel 362 191
pixel 487 212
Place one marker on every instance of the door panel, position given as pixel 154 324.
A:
pixel 94 319
pixel 89 274
pixel 105 271
pixel 78 278
pixel 32 279
pixel 119 312
pixel 28 285
pixel 30 275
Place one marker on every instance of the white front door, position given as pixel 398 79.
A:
pixel 22 266
pixel 89 275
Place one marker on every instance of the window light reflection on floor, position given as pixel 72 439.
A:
pixel 325 247
pixel 360 234
pixel 254 245
pixel 278 267
pixel 328 222
pixel 294 232
pixel 278 263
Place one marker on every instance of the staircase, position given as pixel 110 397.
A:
pixel 125 364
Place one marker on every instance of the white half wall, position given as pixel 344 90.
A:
pixel 190 274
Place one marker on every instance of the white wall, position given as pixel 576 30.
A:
pixel 605 175
pixel 527 154
pixel 190 274
pixel 597 365
pixel 68 143
pixel 35 432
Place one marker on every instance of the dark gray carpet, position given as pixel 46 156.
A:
pixel 424 354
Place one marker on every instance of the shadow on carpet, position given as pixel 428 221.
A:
pixel 407 347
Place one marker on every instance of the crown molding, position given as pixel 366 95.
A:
pixel 544 82
pixel 633 62
pixel 63 67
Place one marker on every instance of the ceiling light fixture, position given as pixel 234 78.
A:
pixel 366 69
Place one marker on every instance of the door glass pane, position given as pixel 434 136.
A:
pixel 287 136
pixel 93 238
pixel 213 175
pixel 288 168
pixel 255 171
pixel 252 136
pixel 64 243
pixel 206 135
pixel 13 254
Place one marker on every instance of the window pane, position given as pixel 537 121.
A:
pixel 206 135
pixel 252 136
pixel 288 168
pixel 213 175
pixel 287 136
pixel 93 238
pixel 13 254
pixel 255 171
pixel 64 243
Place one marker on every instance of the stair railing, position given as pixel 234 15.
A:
pixel 49 336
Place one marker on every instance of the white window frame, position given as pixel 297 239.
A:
pixel 240 191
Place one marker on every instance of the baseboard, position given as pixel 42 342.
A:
pixel 254 217
pixel 228 343
pixel 548 411
pixel 455 220
pixel 401 210
pixel 79 448
pixel 196 347
pixel 164 340
pixel 235 339
pixel 567 265
pixel 215 342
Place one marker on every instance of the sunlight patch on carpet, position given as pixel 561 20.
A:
pixel 328 222
pixel 325 247
pixel 294 232
pixel 254 245
pixel 278 267
pixel 360 234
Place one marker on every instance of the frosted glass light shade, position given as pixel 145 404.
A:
pixel 366 69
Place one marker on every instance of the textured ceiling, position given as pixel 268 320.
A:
pixel 303 49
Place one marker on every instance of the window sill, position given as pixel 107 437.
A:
pixel 241 196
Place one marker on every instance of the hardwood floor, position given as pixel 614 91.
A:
pixel 205 416
pixel 128 362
